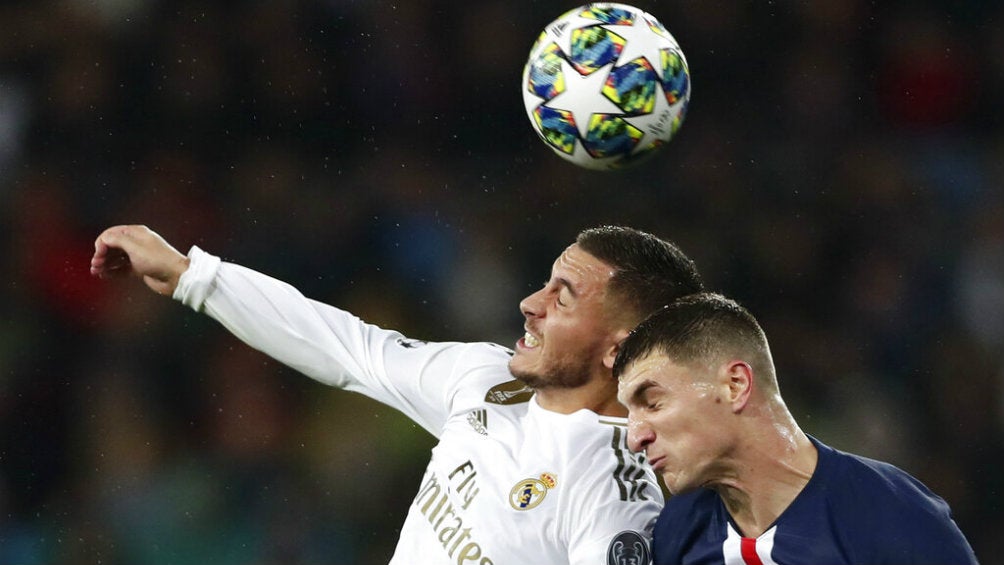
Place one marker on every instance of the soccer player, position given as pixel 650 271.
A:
pixel 532 464
pixel 748 486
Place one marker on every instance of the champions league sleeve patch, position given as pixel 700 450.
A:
pixel 628 548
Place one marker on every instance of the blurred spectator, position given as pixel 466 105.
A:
pixel 839 172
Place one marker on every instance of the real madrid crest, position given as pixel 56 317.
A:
pixel 530 492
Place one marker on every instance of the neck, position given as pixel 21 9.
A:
pixel 766 476
pixel 597 396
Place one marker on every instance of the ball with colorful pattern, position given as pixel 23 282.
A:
pixel 606 85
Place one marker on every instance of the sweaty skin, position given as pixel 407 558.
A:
pixel 571 339
pixel 755 469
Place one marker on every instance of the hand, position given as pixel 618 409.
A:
pixel 137 250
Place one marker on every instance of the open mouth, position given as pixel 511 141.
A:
pixel 530 340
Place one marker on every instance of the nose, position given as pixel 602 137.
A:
pixel 640 434
pixel 532 305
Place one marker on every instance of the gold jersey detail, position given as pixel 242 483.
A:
pixel 527 494
pixel 512 392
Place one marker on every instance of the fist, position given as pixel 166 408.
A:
pixel 138 251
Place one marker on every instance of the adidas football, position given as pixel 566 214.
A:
pixel 606 85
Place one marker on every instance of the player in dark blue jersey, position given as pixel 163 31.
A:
pixel 749 486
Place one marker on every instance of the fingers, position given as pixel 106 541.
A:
pixel 114 248
pixel 109 261
pixel 118 236
pixel 124 249
pixel 137 250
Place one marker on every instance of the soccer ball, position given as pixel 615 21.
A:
pixel 606 85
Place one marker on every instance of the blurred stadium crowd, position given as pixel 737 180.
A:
pixel 839 172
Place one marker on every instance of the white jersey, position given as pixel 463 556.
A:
pixel 509 483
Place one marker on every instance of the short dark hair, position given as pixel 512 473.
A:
pixel 650 272
pixel 696 328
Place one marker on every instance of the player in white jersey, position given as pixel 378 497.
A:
pixel 532 464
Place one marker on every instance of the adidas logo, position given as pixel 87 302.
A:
pixel 479 421
pixel 559 29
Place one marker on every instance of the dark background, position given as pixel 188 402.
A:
pixel 839 173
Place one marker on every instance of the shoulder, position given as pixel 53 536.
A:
pixel 598 454
pixel 483 358
pixel 864 480
pixel 878 501
pixel 441 378
pixel 476 365
pixel 468 353
pixel 600 477
pixel 604 478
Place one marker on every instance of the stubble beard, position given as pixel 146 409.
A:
pixel 563 376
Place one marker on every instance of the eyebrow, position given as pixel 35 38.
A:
pixel 637 395
pixel 567 284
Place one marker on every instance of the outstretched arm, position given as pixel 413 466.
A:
pixel 139 251
pixel 321 341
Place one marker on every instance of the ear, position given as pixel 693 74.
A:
pixel 739 376
pixel 611 354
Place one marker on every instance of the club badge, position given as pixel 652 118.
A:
pixel 530 492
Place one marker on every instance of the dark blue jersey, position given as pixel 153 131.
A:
pixel 853 511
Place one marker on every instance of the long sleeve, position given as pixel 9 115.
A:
pixel 331 345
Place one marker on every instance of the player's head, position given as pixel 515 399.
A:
pixel 687 374
pixel 600 287
pixel 649 272
pixel 699 329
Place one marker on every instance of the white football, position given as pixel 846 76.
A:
pixel 606 85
